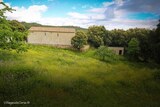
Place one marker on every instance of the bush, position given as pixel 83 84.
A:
pixel 105 54
pixel 79 40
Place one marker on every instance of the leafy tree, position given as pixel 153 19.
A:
pixel 96 35
pixel 133 49
pixel 105 54
pixel 155 44
pixel 107 38
pixel 145 50
pixel 10 38
pixel 118 38
pixel 15 25
pixel 79 40
pixel 142 35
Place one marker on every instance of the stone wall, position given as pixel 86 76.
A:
pixel 117 50
pixel 52 38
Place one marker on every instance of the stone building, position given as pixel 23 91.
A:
pixel 51 36
pixel 117 50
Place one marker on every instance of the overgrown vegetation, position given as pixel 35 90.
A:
pixel 105 54
pixel 48 76
pixel 148 41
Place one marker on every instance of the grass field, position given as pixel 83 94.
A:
pixel 52 77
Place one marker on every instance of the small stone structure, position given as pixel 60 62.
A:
pixel 117 50
pixel 51 36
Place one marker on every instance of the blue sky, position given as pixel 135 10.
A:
pixel 112 14
pixel 59 7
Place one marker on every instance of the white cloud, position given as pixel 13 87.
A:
pixel 127 23
pixel 2 6
pixel 106 4
pixel 97 10
pixel 95 16
pixel 31 14
pixel 78 15
pixel 119 2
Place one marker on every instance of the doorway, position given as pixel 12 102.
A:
pixel 120 52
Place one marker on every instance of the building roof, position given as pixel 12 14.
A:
pixel 52 29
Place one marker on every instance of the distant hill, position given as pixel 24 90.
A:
pixel 28 25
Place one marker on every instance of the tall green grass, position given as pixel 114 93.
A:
pixel 53 77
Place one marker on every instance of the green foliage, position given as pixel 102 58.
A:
pixel 133 49
pixel 12 33
pixel 17 26
pixel 105 54
pixel 96 35
pixel 48 76
pixel 107 38
pixel 156 75
pixel 155 43
pixel 118 38
pixel 3 10
pixel 79 40
pixel 143 37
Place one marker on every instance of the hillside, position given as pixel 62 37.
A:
pixel 47 76
pixel 28 25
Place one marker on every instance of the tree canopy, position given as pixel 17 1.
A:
pixel 133 49
pixel 96 35
pixel 155 43
pixel 12 33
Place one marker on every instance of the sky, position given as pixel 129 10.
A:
pixel 113 14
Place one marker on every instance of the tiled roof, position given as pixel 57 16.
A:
pixel 52 29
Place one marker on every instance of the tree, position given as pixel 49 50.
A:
pixel 133 49
pixel 105 54
pixel 79 40
pixel 15 25
pixel 118 38
pixel 10 38
pixel 4 10
pixel 96 35
pixel 155 44
pixel 107 38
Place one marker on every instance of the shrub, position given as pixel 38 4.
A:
pixel 105 54
pixel 79 40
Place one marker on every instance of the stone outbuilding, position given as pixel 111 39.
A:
pixel 51 36
pixel 117 50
